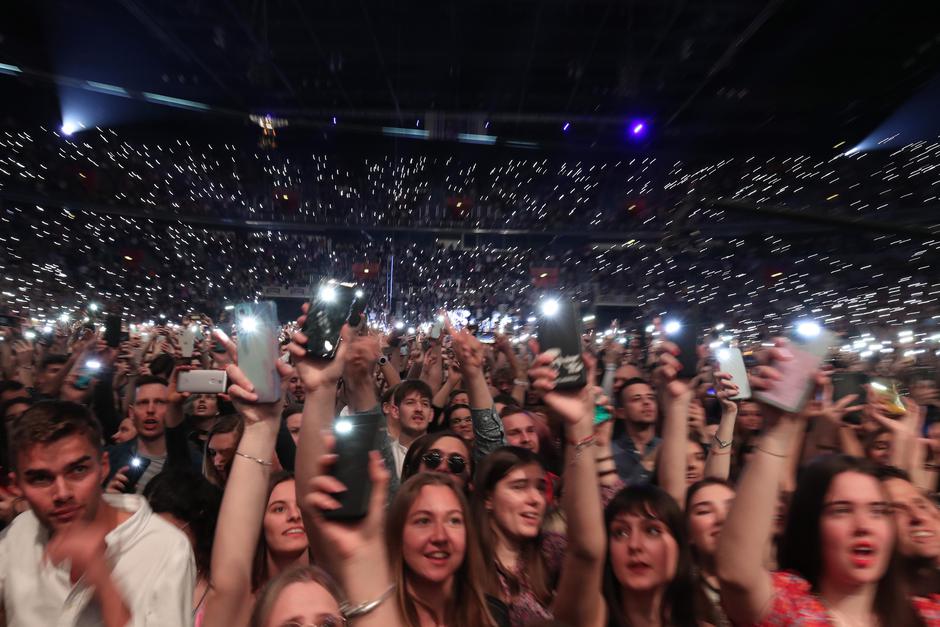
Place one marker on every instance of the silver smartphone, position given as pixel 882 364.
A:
pixel 258 348
pixel 188 341
pixel 731 360
pixel 202 381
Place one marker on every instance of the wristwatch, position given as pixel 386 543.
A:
pixel 383 360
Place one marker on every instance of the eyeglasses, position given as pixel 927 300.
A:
pixel 455 461
pixel 327 621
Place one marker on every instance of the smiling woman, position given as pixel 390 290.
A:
pixel 283 542
pixel 437 565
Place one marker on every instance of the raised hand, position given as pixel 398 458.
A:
pixel 667 370
pixel 246 401
pixel 467 348
pixel 574 406
pixel 345 540
pixel 725 390
pixel 317 373
pixel 826 409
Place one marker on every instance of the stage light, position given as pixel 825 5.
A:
pixel 566 126
pixel 638 128
pixel 334 120
pixel 70 126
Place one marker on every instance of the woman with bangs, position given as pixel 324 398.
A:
pixel 837 555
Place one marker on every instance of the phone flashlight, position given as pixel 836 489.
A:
pixel 724 354
pixel 808 329
pixel 29 335
pixel 248 324
pixel 93 364
pixel 328 293
pixel 135 462
pixel 343 427
pixel 672 327
pixel 550 307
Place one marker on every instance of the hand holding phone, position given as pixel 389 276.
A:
pixel 560 331
pixel 258 349
pixel 731 361
pixel 791 392
pixel 355 437
pixel 329 310
pixel 686 335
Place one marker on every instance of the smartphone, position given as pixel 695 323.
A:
pixel 731 360
pixel 686 336
pixel 202 381
pixel 792 391
pixel 357 310
pixel 601 414
pixel 436 329
pixel 355 437
pixel 328 311
pixel 257 347
pixel 886 390
pixel 135 470
pixel 404 350
pixel 112 330
pixel 845 383
pixel 188 341
pixel 559 328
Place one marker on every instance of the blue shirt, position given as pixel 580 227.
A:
pixel 628 459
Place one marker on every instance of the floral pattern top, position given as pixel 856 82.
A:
pixel 795 605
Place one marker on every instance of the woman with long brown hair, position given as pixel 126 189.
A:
pixel 435 558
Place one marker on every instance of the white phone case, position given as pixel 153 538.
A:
pixel 731 361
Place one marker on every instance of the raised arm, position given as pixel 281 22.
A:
pixel 746 584
pixel 487 427
pixel 718 464
pixel 675 397
pixel 432 371
pixel 229 600
pixel 578 599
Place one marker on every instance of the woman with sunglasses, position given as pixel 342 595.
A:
pixel 442 451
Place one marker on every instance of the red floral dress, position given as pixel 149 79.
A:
pixel 795 605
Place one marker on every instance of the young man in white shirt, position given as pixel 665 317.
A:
pixel 79 557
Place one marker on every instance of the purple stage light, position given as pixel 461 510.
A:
pixel 566 126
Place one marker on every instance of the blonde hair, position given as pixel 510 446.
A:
pixel 273 589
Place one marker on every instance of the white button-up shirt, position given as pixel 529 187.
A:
pixel 153 569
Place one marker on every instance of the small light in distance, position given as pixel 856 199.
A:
pixel 29 335
pixel 808 328
pixel 63 317
pixel 229 307
pixel 343 427
pixel 550 307
pixel 93 307
pixel 672 327
pixel 638 128
pixel 566 126
pixel 360 294
pixel 399 325
pixel 720 326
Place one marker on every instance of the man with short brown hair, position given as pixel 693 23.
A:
pixel 80 557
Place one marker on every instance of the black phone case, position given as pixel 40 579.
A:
pixel 352 466
pixel 845 383
pixel 325 321
pixel 134 473
pixel 563 332
pixel 686 340
pixel 285 448
pixel 112 331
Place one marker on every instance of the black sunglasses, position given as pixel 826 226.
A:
pixel 455 461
